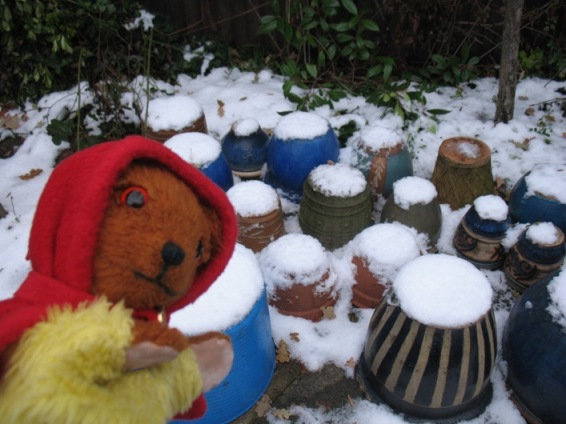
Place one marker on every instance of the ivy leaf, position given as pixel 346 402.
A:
pixel 350 6
pixel 311 69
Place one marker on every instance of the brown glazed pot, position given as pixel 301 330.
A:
pixel 459 178
pixel 256 232
pixel 367 290
pixel 304 301
pixel 163 135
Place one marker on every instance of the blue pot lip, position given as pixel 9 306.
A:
pixel 478 224
pixel 257 136
pixel 551 255
pixel 329 133
pixel 521 186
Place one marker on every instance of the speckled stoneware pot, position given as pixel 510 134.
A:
pixel 246 153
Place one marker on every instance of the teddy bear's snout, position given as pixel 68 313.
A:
pixel 172 254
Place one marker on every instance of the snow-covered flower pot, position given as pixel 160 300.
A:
pixel 414 203
pixel 235 304
pixel 538 253
pixel 205 153
pixel 260 217
pixel 171 115
pixel 299 278
pixel 245 148
pixel 540 195
pixel 430 347
pixel 336 204
pixel 462 171
pixel 377 254
pixel 534 347
pixel 383 158
pixel 481 230
pixel 300 142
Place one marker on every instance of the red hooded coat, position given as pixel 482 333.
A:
pixel 65 230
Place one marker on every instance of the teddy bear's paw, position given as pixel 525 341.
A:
pixel 146 354
pixel 214 357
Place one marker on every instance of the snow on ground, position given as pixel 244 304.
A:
pixel 537 135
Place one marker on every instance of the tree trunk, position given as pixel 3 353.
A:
pixel 509 60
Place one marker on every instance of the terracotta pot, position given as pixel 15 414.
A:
pixel 462 171
pixel 528 262
pixel 163 135
pixel 304 301
pixel 368 290
pixel 256 232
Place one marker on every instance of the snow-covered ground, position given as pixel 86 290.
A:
pixel 536 136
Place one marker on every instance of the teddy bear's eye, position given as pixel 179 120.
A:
pixel 134 196
pixel 200 248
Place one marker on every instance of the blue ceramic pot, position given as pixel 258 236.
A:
pixel 252 369
pixel 525 207
pixel 246 154
pixel 290 161
pixel 534 347
pixel 528 262
pixel 219 171
pixel 478 240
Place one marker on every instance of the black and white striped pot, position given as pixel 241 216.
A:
pixel 428 372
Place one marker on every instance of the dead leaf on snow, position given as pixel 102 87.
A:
pixel 282 352
pixel 243 98
pixel 294 336
pixel 351 363
pixel 12 122
pixel 262 406
pixel 328 312
pixel 530 111
pixel 351 401
pixel 31 174
pixel 283 414
pixel 524 145
pixel 220 108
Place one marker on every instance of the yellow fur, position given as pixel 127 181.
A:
pixel 68 369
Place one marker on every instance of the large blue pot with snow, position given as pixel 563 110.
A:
pixel 245 148
pixel 301 141
pixel 539 196
pixel 534 347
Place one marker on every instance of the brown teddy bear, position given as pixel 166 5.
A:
pixel 125 233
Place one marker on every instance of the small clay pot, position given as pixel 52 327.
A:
pixel 256 232
pixel 304 301
pixel 163 135
pixel 368 289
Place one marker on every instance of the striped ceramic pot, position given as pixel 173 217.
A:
pixel 428 372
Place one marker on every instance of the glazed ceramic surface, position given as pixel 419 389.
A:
pixel 219 172
pixel 334 220
pixel 534 347
pixel 428 372
pixel 289 162
pixel 479 240
pixel 245 154
pixel 425 218
pixel 252 370
pixel 526 207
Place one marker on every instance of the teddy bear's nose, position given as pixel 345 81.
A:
pixel 172 254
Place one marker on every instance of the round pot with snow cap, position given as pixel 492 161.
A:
pixel 462 171
pixel 540 195
pixel 245 148
pixel 171 115
pixel 534 348
pixel 431 343
pixel 377 254
pixel 298 276
pixel 480 232
pixel 336 204
pixel 260 217
pixel 414 203
pixel 300 142
pixel 236 304
pixel 203 152
pixel 537 254
pixel 383 158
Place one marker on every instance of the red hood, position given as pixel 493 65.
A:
pixel 65 228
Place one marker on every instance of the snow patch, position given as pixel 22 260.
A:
pixel 543 233
pixel 491 207
pixel 301 125
pixel 409 191
pixel 548 180
pixel 172 112
pixel 338 179
pixel 245 127
pixel 198 149
pixel 253 198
